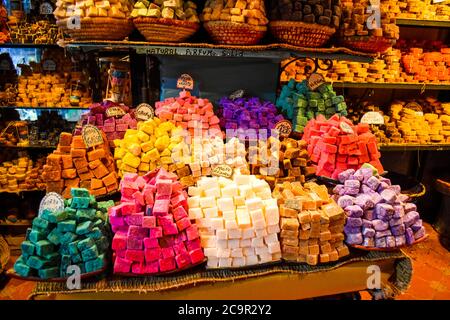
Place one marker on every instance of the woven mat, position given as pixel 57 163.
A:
pixel 398 282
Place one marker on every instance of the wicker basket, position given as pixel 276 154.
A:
pixel 4 254
pixel 165 30
pixel 98 28
pixel 226 32
pixel 368 44
pixel 301 34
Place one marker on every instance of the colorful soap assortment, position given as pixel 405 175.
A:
pixel 311 223
pixel 77 236
pixel 300 104
pixel 153 232
pixel 237 220
pixel 336 145
pixel 378 215
pixel 74 165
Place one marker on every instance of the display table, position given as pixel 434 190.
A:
pixel 282 281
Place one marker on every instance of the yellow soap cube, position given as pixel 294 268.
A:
pixel 147 128
pixel 153 154
pixel 147 146
pixel 119 153
pixel 165 153
pixel 135 149
pixel 166 160
pixel 144 167
pixel 131 160
pixel 143 136
pixel 162 142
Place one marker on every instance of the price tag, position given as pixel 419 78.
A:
pixel 114 112
pixel 46 8
pixel 284 128
pixel 346 128
pixel 413 106
pixel 185 82
pixel 4 65
pixel 91 136
pixel 144 112
pixel 237 94
pixel 222 170
pixel 49 65
pixel 51 201
pixel 372 117
pixel 315 80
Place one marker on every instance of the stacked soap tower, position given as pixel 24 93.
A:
pixel 336 145
pixel 427 66
pixel 178 10
pixel 79 235
pixel 21 174
pixel 242 114
pixel 193 114
pixel 311 223
pixel 278 161
pixel 237 220
pixel 377 213
pixel 153 232
pixel 112 124
pixel 301 104
pixel 73 165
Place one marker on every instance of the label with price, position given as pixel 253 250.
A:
pixel 315 80
pixel 346 128
pixel 284 128
pixel 222 170
pixel 91 136
pixel 51 201
pixel 372 117
pixel 185 82
pixel 144 112
pixel 237 94
pixel 46 8
pixel 114 112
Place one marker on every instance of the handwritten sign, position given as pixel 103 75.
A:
pixel 114 112
pixel 222 170
pixel 4 65
pixel 346 128
pixel 284 128
pixel 372 117
pixel 315 80
pixel 49 65
pixel 51 201
pixel 91 136
pixel 144 112
pixel 46 8
pixel 185 81
pixel 237 94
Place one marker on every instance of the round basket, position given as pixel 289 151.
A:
pixel 368 44
pixel 226 32
pixel 165 30
pixel 301 34
pixel 97 28
pixel 4 254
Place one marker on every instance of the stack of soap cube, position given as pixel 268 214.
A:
pixel 300 104
pixel 153 232
pixel 336 145
pixel 73 165
pixel 243 114
pixel 193 114
pixel 79 235
pixel 237 220
pixel 277 161
pixel 311 223
pixel 113 126
pixel 377 213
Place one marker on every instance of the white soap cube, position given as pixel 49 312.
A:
pixel 265 258
pixel 234 233
pixel 243 219
pixel 224 182
pixel 210 252
pixel 239 201
pixel 262 250
pixel 238 262
pixel 271 238
pixel 248 233
pixel 194 191
pixel 272 215
pixel 207 202
pixel 195 213
pixel 225 204
pixel 256 215
pixel 229 215
pixel 225 262
pixel 213 192
pixel 208 241
pixel 251 260
pixel 217 223
pixel 257 242
pixel 211 212
pixel 231 224
pixel 193 202
pixel 261 232
pixel 208 182
pixel 223 253
pixel 270 202
pixel 273 229
pixel 274 247
pixel 245 243
pixel 212 262
pixel 259 185
pixel 253 204
pixel 264 195
pixel 259 224
pixel 233 243
pixel 230 191
pixel 237 253
pixel 222 234
pixel 245 191
pixel 221 244
pixel 248 251
pixel 241 179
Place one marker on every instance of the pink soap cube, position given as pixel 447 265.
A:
pixel 116 228
pixel 128 208
pixel 135 255
pixel 137 232
pixel 181 237
pixel 116 221
pixel 115 211
pixel 109 128
pixel 214 120
pixel 167 242
pixel 122 265
pixel 152 267
pixel 193 244
pixel 192 232
pixel 121 253
pixel 138 268
pixel 162 197
pixel 149 222
pixel 167 264
pixel 110 121
pixel 140 182
pixel 148 197
pixel 179 248
pixel 167 252
pixel 170 229
pixel 135 219
pixel 151 243
pixel 164 187
pixel 160 208
pixel 134 243
pixel 119 242
pixel 121 127
pixel 156 232
pixel 152 254
pixel 179 213
pixel 164 220
pixel 184 224
pixel 196 255
pixel 176 200
pixel 183 260
pixel 129 177
pixel 139 197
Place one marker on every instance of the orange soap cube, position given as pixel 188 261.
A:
pixel 64 149
pixel 78 153
pixel 85 184
pixel 52 175
pixel 112 187
pixel 66 193
pixel 54 160
pixel 98 192
pixel 69 173
pixel 65 139
pixel 80 163
pixel 67 161
pixel 111 167
pixel 100 171
pixel 55 186
pixel 94 164
pixel 86 176
pixel 78 143
pixel 96 154
pixel 110 179
pixel 83 170
pixel 96 184
pixel 72 183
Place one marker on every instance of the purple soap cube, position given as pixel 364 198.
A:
pixel 419 233
pixel 402 198
pixel 395 222
pixel 382 186
pixel 385 180
pixel 409 234
pixel 376 198
pixel 388 195
pixel 400 241
pixel 338 189
pixel 380 225
pixel 410 207
pixel 369 215
pixel 367 223
pixel 369 242
pixel 368 232
pixel 354 238
pixel 384 211
pixel 349 230
pixel 344 175
pixel 345 201
pixel 351 191
pixel 367 173
pixel 398 230
pixel 366 190
pixel 399 212
pixel 396 188
pixel 373 183
pixel 381 234
pixel 417 225
pixel 390 242
pixel 364 201
pixel 354 222
pixel 358 175
pixel 352 183
pixel 353 211
pixel 380 243
pixel 410 218
pixel 135 219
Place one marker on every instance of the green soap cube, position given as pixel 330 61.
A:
pixel 36 236
pixel 67 202
pixel 95 234
pixel 98 223
pixel 313 103
pixel 299 128
pixel 40 223
pixel 71 213
pixel 76 258
pixel 67 226
pixel 36 262
pixel 95 264
pixel 73 247
pixel 44 247
pixel 84 227
pixel 341 106
pixel 80 202
pixel 68 237
pixel 309 115
pixel 330 111
pixel 22 269
pixel 28 247
pixel 86 214
pixel 337 99
pixel 344 113
pixel 89 253
pixel 321 106
pixel 55 236
pixel 85 244
pixel 302 121
pixel 52 257
pixel 102 244
pixel 47 273
pixel 92 202
pixel 301 103
pixel 56 217
pixel 328 103
pixel 79 192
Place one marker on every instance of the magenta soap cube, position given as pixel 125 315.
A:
pixel 119 242
pixel 135 255
pixel 170 229
pixel 167 252
pixel 138 268
pixel 121 253
pixel 116 221
pixel 164 187
pixel 179 248
pixel 122 265
pixel 135 219
pixel 196 255
pixel 193 244
pixel 192 232
pixel 152 267
pixel 134 243
pixel 167 242
pixel 115 211
pixel 116 228
pixel 156 232
pixel 149 222
pixel 152 254
pixel 161 207
pixel 165 220
pixel 179 213
pixel 183 260
pixel 151 243
pixel 137 232
pixel 167 264
pixel 183 224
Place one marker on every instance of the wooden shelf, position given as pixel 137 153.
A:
pixel 19 224
pixel 422 23
pixel 414 147
pixel 44 108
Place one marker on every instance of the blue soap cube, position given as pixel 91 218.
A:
pixel 40 223
pixel 95 233
pixel 73 248
pixel 44 247
pixel 36 262
pixel 89 253
pixel 36 236
pixel 84 227
pixel 28 247
pixel 95 264
pixel 80 202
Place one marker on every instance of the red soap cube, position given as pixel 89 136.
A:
pixel 170 229
pixel 156 232
pixel 192 232
pixel 193 244
pixel 341 158
pixel 148 197
pixel 149 222
pixel 128 188
pixel 175 201
pixel 139 197
pixel 167 242
pixel 137 268
pixel 328 139
pixel 135 219
pixel 165 220
pixel 362 128
pixel 122 265
pixel 377 164
pixel 135 255
pixel 151 267
pixel 353 161
pixel 134 243
pixel 183 260
pixel 372 147
pixel 375 156
pixel 161 207
pixel 121 253
pixel 115 211
pixel 179 248
pixel 119 242
pixel 137 232
pixel 151 243
pixel 128 208
pixel 364 158
pixel 333 131
pixel 196 255
pixel 164 186
pixel 183 224
pixel 167 252
pixel 362 148
pixel 341 166
pixel 179 213
pixel 152 254
pixel 167 264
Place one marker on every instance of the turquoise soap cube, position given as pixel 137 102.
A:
pixel 92 202
pixel 45 214
pixel 73 247
pixel 86 214
pixel 44 247
pixel 76 258
pixel 95 233
pixel 80 202
pixel 66 261
pixel 36 262
pixel 95 264
pixel 22 269
pixel 56 217
pixel 55 236
pixel 40 223
pixel 71 213
pixel 28 247
pixel 79 192
pixel 84 227
pixel 68 237
pixel 89 253
pixel 52 258
pixel 67 226
pixel 85 243
pixel 36 236
pixel 48 273
pixel 64 248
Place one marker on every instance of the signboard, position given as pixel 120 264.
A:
pixel 49 65
pixel 46 8
pixel 185 82
pixel 372 117
pixel 115 112
pixel 144 112
pixel 222 170
pixel 315 80
pixel 237 94
pixel 51 201
pixel 346 128
pixel 284 128
pixel 91 136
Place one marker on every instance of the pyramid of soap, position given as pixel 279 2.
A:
pixel 153 232
pixel 73 165
pixel 378 215
pixel 336 145
pixel 311 223
pixel 79 235
pixel 238 220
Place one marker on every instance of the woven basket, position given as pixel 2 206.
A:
pixel 98 28
pixel 301 34
pixel 226 32
pixel 4 254
pixel 368 44
pixel 165 30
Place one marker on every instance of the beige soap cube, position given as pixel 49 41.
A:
pixel 222 234
pixel 261 232
pixel 248 233
pixel 231 224
pixel 273 229
pixel 257 242
pixel 244 243
pixel 248 251
pixel 238 262
pixel 312 259
pixel 234 233
pixel 210 252
pixel 225 262
pixel 212 262
pixel 233 243
pixel 314 249
pixel 251 260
